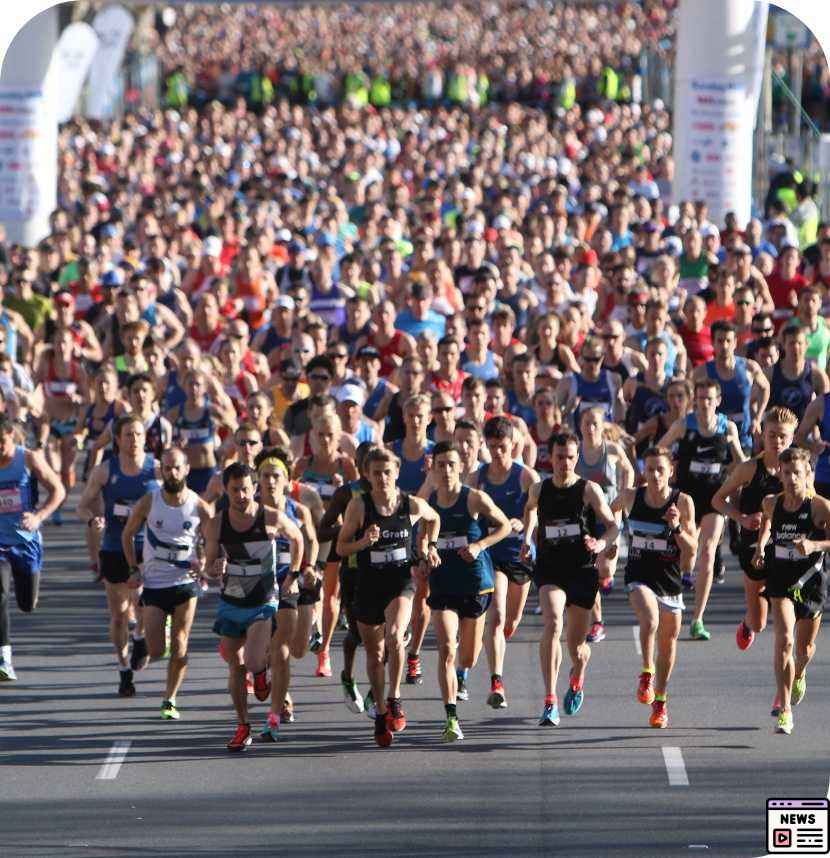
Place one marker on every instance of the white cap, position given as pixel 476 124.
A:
pixel 474 229
pixel 502 221
pixel 710 231
pixel 351 393
pixel 468 194
pixel 284 235
pixel 212 246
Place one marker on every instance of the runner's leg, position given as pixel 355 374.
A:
pixel 470 640
pixel 711 528
pixel 331 602
pixel 645 605
pixel 757 607
pixel 232 648
pixel 287 622
pixel 516 599
pixel 372 637
pixel 552 600
pixel 445 626
pixel 576 629
pixel 183 616
pixel 398 614
pixel 806 632
pixel 154 622
pixel 668 630
pixel 783 617
pixel 494 641
pixel 118 600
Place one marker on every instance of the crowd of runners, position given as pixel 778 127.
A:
pixel 371 371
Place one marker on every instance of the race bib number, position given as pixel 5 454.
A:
pixel 561 531
pixel 11 501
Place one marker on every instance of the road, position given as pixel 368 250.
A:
pixel 87 773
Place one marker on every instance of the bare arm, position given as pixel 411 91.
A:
pixel 352 522
pixel 480 503
pixel 135 522
pixel 530 520
pixel 724 500
pixel 596 500
pixel 765 530
pixel 56 492
pixel 676 431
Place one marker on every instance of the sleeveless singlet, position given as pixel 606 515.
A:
pixel 170 542
pixel 392 553
pixel 413 472
pixel 795 394
pixel 251 579
pixel 16 485
pixel 563 525
pixel 510 498
pixel 603 472
pixel 735 396
pixel 120 493
pixel 653 555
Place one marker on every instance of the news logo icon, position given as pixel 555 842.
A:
pixel 798 826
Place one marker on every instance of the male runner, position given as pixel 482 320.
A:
pixel 793 523
pixel 378 528
pixel 175 516
pixel 565 571
pixel 21 547
pixel 740 497
pixel 246 531
pixel 662 541
pixel 119 482
pixel 461 587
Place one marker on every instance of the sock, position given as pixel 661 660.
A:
pixel 495 677
pixel 549 699
pixel 462 673
pixel 648 670
pixel 413 656
pixel 661 698
pixel 449 708
pixel 137 638
pixel 125 669
pixel 576 684
pixel 171 701
pixel 6 652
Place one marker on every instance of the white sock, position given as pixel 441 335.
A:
pixel 6 652
pixel 138 638
pixel 124 668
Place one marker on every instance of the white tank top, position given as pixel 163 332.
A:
pixel 170 545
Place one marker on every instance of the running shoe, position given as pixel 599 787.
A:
pixel 550 715
pixel 573 700
pixel 776 707
pixel 369 705
pixel 744 636
pixel 463 692
pixel 139 657
pixel 497 698
pixel 241 738
pixel 659 718
pixel 645 689
pixel 287 713
pixel 452 730
pixel 597 633
pixel 262 685
pixel 395 716
pixel 799 689
pixel 315 641
pixel 169 712
pixel 323 664
pixel 698 631
pixel 125 685
pixel 785 723
pixel 414 676
pixel 271 730
pixel 383 735
pixel 351 695
pixel 606 586
pixel 688 581
pixel 7 673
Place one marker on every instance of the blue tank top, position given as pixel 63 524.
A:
pixel 15 499
pixel 455 576
pixel 11 335
pixel 592 393
pixel 90 421
pixel 150 315
pixel 510 498
pixel 194 433
pixel 373 400
pixel 283 545
pixel 671 349
pixel 120 494
pixel 274 341
pixel 823 463
pixel 364 432
pixel 526 412
pixel 795 394
pixel 174 393
pixel 735 394
pixel 485 371
pixel 412 474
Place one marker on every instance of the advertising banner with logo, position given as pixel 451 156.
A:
pixel 113 26
pixel 68 69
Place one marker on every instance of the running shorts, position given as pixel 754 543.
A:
pixel 168 599
pixel 233 621
pixel 580 585
pixel 467 607
pixel 375 591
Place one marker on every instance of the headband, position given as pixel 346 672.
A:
pixel 273 460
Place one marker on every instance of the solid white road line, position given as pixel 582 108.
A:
pixel 117 754
pixel 675 767
pixel 637 644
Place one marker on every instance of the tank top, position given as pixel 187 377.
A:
pixel 701 461
pixel 485 370
pixel 455 576
pixel 274 341
pixel 11 334
pixel 392 553
pixel 392 349
pixel 784 565
pixel 511 499
pixel 653 555
pixel 823 463
pixel 330 305
pixel 593 393
pixel 61 387
pixel 194 433
pixel 321 483
pixel 795 394
pixel 170 541
pixel 544 464
pixel 173 393
pixel 762 484
pixel 251 578
pixel 120 493
pixel 283 546
pixel 735 394
pixel 374 399
pixel 413 472
pixel 645 404
pixel 95 425
pixel 603 472
pixel 563 525
pixel 16 486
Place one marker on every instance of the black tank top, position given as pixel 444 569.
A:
pixel 653 555
pixel 762 484
pixel 645 404
pixel 784 564
pixel 251 578
pixel 392 553
pixel 701 461
pixel 564 522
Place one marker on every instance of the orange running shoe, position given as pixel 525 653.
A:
pixel 395 716
pixel 645 690
pixel 241 738
pixel 262 685
pixel 659 715
pixel 323 664
pixel 744 636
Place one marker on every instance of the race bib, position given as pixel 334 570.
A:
pixel 561 531
pixel 704 467
pixel 646 543
pixel 451 542
pixel 11 501
pixel 121 510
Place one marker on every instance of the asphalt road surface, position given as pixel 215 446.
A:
pixel 87 773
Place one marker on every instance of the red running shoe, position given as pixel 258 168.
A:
pixel 395 716
pixel 241 738
pixel 744 636
pixel 383 735
pixel 497 698
pixel 414 675
pixel 659 715
pixel 262 686
pixel 645 690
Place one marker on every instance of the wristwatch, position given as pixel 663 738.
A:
pixel 134 570
pixel 295 573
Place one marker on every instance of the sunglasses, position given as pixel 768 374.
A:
pixel 592 359
pixel 443 409
pixel 319 377
pixel 338 355
pixel 744 303
pixel 248 442
pixel 611 337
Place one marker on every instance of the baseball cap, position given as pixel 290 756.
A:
pixel 212 246
pixel 285 301
pixel 112 279
pixel 284 236
pixel 501 221
pixel 367 352
pixel 589 258
pixel 709 231
pixel 64 298
pixel 290 369
pixel 351 393
pixel 296 246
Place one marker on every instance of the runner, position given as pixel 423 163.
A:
pixel 21 546
pixel 662 541
pixel 565 571
pixel 461 587
pixel 793 380
pixel 247 443
pixel 740 497
pixel 117 484
pixel 245 532
pixel 378 527
pixel 175 516
pixel 706 441
pixel 791 550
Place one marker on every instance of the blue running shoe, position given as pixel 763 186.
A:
pixel 271 732
pixel 573 701
pixel 550 716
